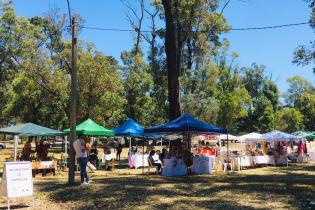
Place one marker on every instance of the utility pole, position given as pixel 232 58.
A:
pixel 73 109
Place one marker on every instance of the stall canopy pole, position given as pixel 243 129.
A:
pixel 161 144
pixel 66 144
pixel 143 155
pixel 16 138
pixel 227 149
pixel 129 147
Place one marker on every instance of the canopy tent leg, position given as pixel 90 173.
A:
pixel 66 144
pixel 129 147
pixel 227 149
pixel 16 138
pixel 161 144
pixel 142 155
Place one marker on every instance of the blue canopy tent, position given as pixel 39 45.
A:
pixel 185 124
pixel 130 128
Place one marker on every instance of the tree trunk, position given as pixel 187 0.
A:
pixel 171 59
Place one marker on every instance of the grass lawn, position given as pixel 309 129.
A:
pixel 262 188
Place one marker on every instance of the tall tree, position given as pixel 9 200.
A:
pixel 305 54
pixel 297 87
pixel 289 120
pixel 173 68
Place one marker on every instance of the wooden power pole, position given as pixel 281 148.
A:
pixel 73 109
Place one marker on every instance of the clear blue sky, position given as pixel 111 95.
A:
pixel 272 48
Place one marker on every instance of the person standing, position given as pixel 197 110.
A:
pixel 27 149
pixel 118 150
pixel 42 151
pixel 81 155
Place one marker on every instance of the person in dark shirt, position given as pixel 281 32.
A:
pixel 42 151
pixel 94 157
pixel 162 156
pixel 118 150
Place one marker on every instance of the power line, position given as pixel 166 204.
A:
pixel 270 27
pixel 206 31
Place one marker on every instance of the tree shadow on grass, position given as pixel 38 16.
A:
pixel 14 207
pixel 139 191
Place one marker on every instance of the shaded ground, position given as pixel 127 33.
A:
pixel 263 188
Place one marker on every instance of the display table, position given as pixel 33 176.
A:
pixel 249 161
pixel 246 161
pixel 43 167
pixel 138 160
pixel 264 159
pixel 174 167
pixel 311 156
pixel 202 165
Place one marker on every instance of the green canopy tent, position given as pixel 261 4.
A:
pixel 91 128
pixel 28 129
pixel 310 137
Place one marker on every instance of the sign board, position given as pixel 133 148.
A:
pixel 17 180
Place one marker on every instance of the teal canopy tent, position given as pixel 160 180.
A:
pixel 28 129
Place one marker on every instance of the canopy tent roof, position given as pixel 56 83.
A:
pixel 276 135
pixel 310 137
pixel 226 136
pixel 131 128
pixel 302 133
pixel 30 129
pixel 252 135
pixel 185 123
pixel 91 128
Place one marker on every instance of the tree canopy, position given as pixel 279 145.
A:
pixel 152 82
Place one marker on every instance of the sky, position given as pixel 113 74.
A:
pixel 273 48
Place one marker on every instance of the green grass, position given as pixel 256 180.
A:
pixel 263 188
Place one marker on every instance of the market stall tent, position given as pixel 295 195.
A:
pixel 302 133
pixel 276 135
pixel 310 137
pixel 28 129
pixel 91 128
pixel 130 128
pixel 185 123
pixel 252 135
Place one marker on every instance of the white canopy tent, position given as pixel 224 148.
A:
pixel 276 135
pixel 252 135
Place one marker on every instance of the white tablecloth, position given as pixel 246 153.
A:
pixel 138 160
pixel 264 159
pixel 248 161
pixel 202 165
pixel 311 156
pixel 174 167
